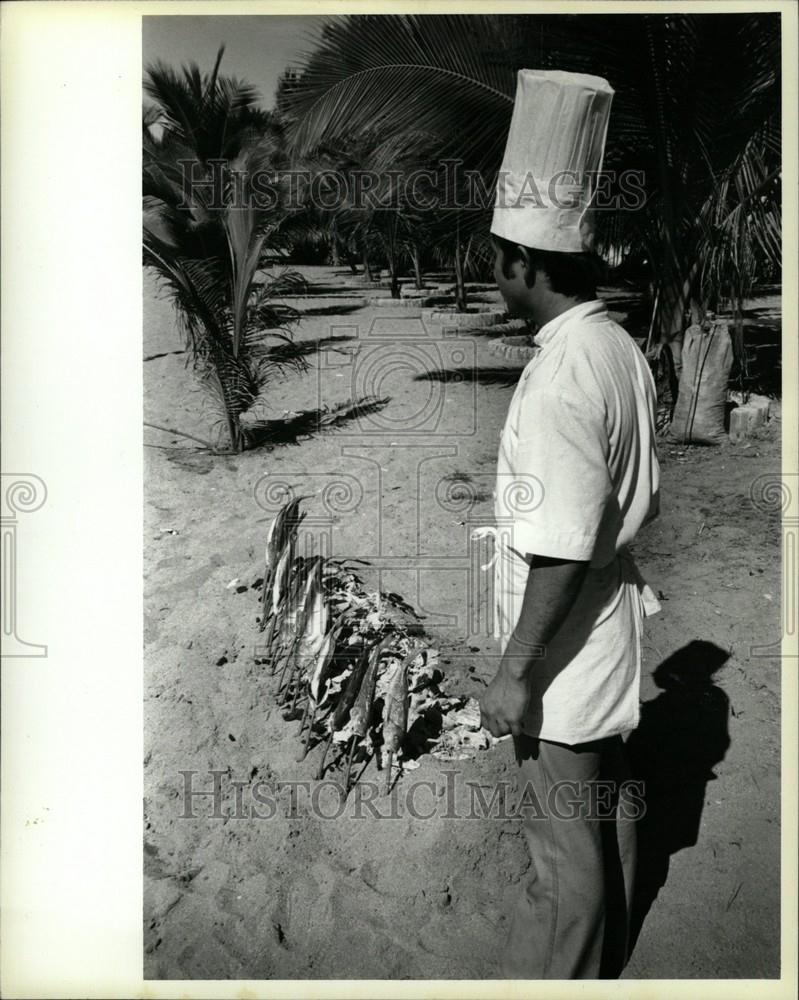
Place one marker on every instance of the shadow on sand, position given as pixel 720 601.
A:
pixel 313 345
pixel 483 376
pixel 681 737
pixel 270 433
pixel 343 310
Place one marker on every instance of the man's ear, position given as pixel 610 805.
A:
pixel 528 272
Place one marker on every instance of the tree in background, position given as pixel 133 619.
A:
pixel 207 239
pixel 696 114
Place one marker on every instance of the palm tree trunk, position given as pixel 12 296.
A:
pixel 390 246
pixel 666 254
pixel 738 349
pixel 367 271
pixel 417 267
pixel 676 299
pixel 672 320
pixel 392 270
pixel 351 256
pixel 237 392
pixel 233 426
pixel 335 244
pixel 460 286
pixel 233 430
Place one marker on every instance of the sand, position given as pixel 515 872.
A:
pixel 299 896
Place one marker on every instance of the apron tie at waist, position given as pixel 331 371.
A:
pixel 649 602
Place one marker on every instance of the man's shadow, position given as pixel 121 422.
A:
pixel 681 737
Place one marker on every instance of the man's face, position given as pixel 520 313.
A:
pixel 513 286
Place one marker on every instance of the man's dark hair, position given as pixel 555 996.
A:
pixel 572 274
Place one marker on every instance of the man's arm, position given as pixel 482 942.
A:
pixel 551 589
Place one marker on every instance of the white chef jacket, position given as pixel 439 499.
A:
pixel 577 476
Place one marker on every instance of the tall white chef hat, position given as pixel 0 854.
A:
pixel 554 152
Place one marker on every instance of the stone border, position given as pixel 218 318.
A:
pixel 513 352
pixel 402 303
pixel 480 318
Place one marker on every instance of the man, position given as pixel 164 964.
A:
pixel 577 476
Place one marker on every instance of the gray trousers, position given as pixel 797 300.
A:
pixel 571 921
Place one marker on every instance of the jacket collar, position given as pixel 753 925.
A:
pixel 581 311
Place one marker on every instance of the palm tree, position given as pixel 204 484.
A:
pixel 696 112
pixel 398 226
pixel 348 217
pixel 377 222
pixel 206 239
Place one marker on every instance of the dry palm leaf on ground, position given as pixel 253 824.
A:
pixel 353 665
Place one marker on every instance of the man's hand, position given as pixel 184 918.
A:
pixel 504 703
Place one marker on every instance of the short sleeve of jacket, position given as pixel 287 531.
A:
pixel 562 440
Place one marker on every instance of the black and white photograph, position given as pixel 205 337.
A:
pixel 462 419
pixel 468 510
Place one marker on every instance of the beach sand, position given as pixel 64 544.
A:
pixel 363 897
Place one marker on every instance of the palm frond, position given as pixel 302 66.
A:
pixel 205 234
